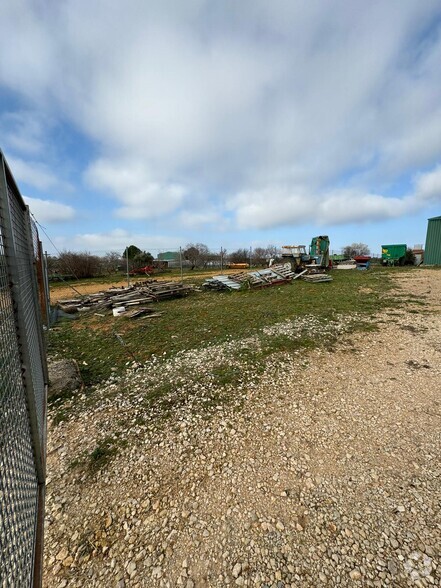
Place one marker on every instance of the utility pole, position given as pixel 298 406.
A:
pixel 250 256
pixel 180 263
pixel 127 267
pixel 222 260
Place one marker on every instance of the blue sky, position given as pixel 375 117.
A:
pixel 234 124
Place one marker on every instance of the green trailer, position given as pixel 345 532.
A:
pixel 393 254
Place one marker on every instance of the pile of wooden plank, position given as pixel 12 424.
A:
pixel 138 294
pixel 277 274
pixel 317 278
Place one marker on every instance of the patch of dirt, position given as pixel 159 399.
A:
pixel 67 293
pixel 365 290
pixel 84 288
pixel 423 283
pixel 326 471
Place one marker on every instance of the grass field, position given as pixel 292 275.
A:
pixel 208 348
pixel 207 318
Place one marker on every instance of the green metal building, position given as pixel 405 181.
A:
pixel 169 256
pixel 432 251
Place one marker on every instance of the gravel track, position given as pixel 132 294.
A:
pixel 324 470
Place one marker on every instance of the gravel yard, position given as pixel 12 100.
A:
pixel 322 470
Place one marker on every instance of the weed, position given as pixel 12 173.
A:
pixel 59 416
pixel 105 450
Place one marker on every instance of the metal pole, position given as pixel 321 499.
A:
pixel 180 263
pixel 47 289
pixel 222 260
pixel 127 267
pixel 250 256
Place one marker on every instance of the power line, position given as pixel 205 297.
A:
pixel 59 253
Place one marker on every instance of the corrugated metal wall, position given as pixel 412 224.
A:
pixel 432 253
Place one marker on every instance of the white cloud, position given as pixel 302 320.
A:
pixel 49 211
pixel 23 131
pixel 38 175
pixel 131 185
pixel 118 239
pixel 202 219
pixel 428 186
pixel 276 103
pixel 347 206
pixel 280 207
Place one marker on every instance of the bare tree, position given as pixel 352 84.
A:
pixel 273 252
pixel 239 256
pixel 197 254
pixel 260 256
pixel 111 261
pixel 355 249
pixel 53 264
pixel 81 265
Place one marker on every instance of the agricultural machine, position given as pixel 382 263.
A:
pixel 316 258
pixel 393 254
pixel 142 271
pixel 157 266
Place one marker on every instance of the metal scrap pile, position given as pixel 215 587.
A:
pixel 133 296
pixel 277 274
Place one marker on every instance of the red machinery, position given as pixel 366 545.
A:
pixel 147 270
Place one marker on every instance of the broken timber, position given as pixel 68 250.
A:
pixel 141 293
pixel 277 274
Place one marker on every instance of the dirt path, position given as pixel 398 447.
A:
pixel 328 475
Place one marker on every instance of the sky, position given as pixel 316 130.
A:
pixel 234 124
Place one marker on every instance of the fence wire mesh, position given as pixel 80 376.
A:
pixel 22 392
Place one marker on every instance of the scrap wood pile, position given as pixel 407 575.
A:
pixel 136 295
pixel 277 274
pixel 316 278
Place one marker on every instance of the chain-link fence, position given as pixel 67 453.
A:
pixel 23 387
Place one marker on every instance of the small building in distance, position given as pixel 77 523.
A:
pixel 432 250
pixel 418 252
pixel 173 259
pixel 169 256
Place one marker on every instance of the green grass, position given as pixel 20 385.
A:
pixel 206 318
pixel 105 450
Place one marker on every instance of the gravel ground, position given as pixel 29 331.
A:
pixel 322 470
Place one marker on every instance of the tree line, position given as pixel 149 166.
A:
pixel 195 255
pixel 200 256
